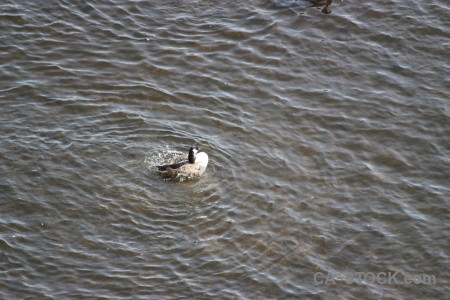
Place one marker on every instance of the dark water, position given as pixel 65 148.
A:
pixel 326 126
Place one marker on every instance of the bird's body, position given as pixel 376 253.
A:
pixel 188 165
pixel 178 159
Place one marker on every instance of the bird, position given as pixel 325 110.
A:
pixel 192 164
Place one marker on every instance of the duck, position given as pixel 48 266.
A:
pixel 192 164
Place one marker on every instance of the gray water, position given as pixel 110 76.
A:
pixel 326 127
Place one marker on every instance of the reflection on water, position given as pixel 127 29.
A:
pixel 326 135
pixel 325 4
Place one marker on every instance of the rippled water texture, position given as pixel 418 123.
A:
pixel 326 124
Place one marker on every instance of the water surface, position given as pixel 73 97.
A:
pixel 326 124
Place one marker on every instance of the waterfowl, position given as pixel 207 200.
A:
pixel 190 165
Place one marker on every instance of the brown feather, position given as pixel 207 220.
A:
pixel 179 159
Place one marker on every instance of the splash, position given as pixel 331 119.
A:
pixel 160 158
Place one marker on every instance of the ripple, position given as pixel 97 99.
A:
pixel 325 132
